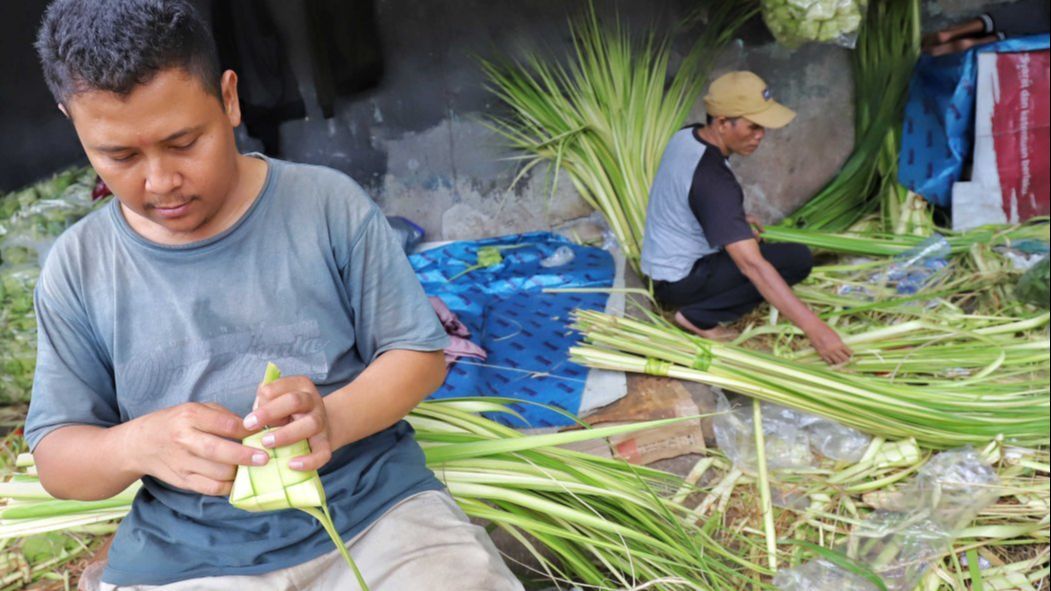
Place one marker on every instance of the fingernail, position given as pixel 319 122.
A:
pixel 296 465
pixel 268 440
pixel 259 458
pixel 251 422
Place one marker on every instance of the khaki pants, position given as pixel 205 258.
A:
pixel 424 542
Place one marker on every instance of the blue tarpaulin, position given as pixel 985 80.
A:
pixel 524 331
pixel 938 130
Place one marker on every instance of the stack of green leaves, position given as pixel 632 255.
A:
pixel 40 558
pixel 887 48
pixel 606 523
pixel 879 243
pixel 1034 287
pixel 978 280
pixel 583 516
pixel 584 519
pixel 1004 392
pixel 39 553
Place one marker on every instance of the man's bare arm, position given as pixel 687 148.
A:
pixel 749 259
pixel 192 446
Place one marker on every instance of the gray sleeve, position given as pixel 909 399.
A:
pixel 389 306
pixel 73 383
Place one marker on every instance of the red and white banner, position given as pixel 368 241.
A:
pixel 1011 177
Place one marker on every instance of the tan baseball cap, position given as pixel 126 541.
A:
pixel 743 94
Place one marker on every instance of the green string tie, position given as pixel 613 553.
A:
pixel 702 360
pixel 657 367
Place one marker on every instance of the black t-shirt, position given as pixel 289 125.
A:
pixel 716 198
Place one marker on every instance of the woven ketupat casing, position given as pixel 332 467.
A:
pixel 275 485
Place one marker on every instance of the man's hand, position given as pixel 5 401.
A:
pixel 960 37
pixel 757 226
pixel 828 345
pixel 294 404
pixel 748 257
pixel 189 446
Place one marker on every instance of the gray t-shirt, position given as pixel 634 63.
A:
pixel 696 207
pixel 311 278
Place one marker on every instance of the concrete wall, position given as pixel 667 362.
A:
pixel 418 141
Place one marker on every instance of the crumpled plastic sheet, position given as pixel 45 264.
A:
pixel 786 446
pixel 791 436
pixel 954 486
pixel 821 575
pixel 946 494
pixel 917 268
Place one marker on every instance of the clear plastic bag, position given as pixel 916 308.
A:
pixel 795 22
pixel 791 436
pixel 954 486
pixel 946 494
pixel 409 234
pixel 561 256
pixel 786 444
pixel 837 441
pixel 917 268
pixel 898 547
pixel 821 575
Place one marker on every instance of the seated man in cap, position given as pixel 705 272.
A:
pixel 700 248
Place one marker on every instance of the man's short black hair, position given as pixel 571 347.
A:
pixel 116 45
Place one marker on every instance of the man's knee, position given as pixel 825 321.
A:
pixel 805 260
pixel 793 261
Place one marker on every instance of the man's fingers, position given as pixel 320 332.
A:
pixel 278 410
pixel 839 356
pixel 965 44
pixel 834 361
pixel 959 45
pixel 207 486
pixel 836 356
pixel 971 27
pixel 211 470
pixel 214 419
pixel 274 390
pixel 224 451
pixel 320 454
pixel 303 427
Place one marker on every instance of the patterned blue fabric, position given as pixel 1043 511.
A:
pixel 524 331
pixel 938 132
